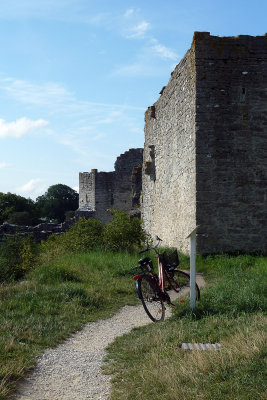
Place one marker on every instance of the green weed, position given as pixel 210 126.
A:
pixel 55 300
pixel 148 363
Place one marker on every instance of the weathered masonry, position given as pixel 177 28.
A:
pixel 205 155
pixel 119 189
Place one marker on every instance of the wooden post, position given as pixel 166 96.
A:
pixel 192 237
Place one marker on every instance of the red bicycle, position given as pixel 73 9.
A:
pixel 153 288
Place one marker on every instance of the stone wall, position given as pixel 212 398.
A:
pixel 38 232
pixel 231 142
pixel 100 191
pixel 169 186
pixel 205 148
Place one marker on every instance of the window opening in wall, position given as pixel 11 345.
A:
pixel 149 166
pixel 243 94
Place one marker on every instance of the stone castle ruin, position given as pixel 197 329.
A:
pixel 119 189
pixel 205 154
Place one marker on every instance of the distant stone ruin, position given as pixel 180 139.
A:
pixel 119 189
pixel 38 232
pixel 205 154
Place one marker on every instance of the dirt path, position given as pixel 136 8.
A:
pixel 72 370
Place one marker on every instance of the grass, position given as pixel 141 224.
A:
pixel 56 299
pixel 149 364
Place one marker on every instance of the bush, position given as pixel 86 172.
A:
pixel 86 234
pixel 123 233
pixel 18 255
pixel 83 236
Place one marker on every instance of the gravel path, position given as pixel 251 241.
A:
pixel 72 370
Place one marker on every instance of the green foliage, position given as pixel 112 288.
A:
pixel 231 311
pixel 17 256
pixel 57 201
pixel 123 233
pixel 54 301
pixel 11 205
pixel 20 218
pixel 240 287
pixel 83 236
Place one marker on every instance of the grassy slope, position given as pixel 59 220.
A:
pixel 149 364
pixel 54 301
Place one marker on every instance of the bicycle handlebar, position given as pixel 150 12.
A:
pixel 151 248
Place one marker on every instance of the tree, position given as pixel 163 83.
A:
pixel 20 218
pixel 12 203
pixel 57 201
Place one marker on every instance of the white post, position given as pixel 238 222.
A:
pixel 192 238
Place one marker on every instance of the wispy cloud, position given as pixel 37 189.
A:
pixel 88 123
pixel 55 97
pixel 32 188
pixel 128 12
pixel 164 52
pixel 4 165
pixel 138 31
pixel 20 127
pixel 152 54
pixel 41 94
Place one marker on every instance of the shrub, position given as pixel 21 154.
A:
pixel 18 255
pixel 86 234
pixel 123 233
pixel 83 236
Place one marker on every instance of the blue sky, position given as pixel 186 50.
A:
pixel 76 77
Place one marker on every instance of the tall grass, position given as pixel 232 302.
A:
pixel 148 363
pixel 54 300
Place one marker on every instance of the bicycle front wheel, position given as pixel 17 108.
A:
pixel 151 301
pixel 180 285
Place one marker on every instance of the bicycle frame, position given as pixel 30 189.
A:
pixel 163 276
pixel 151 287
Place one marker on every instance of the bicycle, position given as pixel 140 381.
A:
pixel 152 288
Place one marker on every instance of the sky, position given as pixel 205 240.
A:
pixel 76 77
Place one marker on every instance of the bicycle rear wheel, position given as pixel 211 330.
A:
pixel 151 301
pixel 180 285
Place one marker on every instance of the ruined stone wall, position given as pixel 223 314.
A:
pixel 169 187
pixel 124 165
pixel 104 189
pixel 205 148
pixel 100 191
pixel 87 189
pixel 231 142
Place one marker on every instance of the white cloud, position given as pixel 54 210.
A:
pixel 55 97
pixel 129 12
pixel 4 165
pixel 33 188
pixel 42 94
pixel 164 52
pixel 138 31
pixel 20 127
